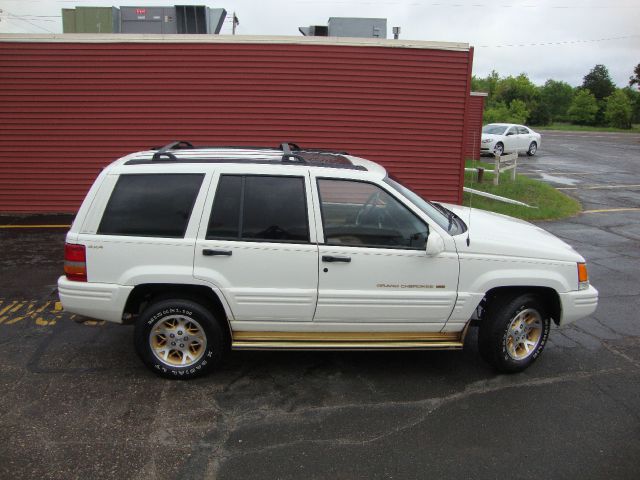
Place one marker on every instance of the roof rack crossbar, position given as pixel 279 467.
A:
pixel 287 156
pixel 163 153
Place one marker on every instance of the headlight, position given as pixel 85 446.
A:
pixel 487 140
pixel 583 277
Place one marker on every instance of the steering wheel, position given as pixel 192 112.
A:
pixel 368 205
pixel 274 232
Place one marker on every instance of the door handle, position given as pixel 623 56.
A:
pixel 329 258
pixel 207 252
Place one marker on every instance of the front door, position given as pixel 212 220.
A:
pixel 374 269
pixel 256 247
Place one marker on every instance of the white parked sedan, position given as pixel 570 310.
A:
pixel 499 138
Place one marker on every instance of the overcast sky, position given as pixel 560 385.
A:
pixel 579 33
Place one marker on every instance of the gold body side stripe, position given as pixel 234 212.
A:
pixel 346 340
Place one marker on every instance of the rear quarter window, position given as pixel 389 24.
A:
pixel 151 205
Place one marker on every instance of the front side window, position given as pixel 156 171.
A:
pixel 151 205
pixel 259 208
pixel 364 215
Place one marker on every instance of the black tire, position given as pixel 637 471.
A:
pixel 499 147
pixel 188 317
pixel 499 346
pixel 533 148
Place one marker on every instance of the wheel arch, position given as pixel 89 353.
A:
pixel 548 295
pixel 144 294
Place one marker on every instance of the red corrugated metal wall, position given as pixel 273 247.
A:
pixel 473 132
pixel 68 109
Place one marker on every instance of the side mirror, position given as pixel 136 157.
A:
pixel 510 133
pixel 435 244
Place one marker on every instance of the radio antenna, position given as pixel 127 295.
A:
pixel 473 173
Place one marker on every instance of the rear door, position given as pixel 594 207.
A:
pixel 511 140
pixel 524 138
pixel 256 245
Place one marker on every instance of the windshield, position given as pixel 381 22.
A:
pixel 494 129
pixel 427 207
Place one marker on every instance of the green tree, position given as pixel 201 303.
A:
pixel 635 78
pixel 487 84
pixel 634 98
pixel 516 112
pixel 598 81
pixel 496 113
pixel 556 96
pixel 516 88
pixel 584 108
pixel 540 114
pixel 618 111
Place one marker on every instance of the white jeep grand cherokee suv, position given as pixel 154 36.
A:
pixel 206 249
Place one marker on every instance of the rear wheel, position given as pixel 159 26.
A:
pixel 533 148
pixel 179 338
pixel 514 332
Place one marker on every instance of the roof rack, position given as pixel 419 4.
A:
pixel 292 153
pixel 163 153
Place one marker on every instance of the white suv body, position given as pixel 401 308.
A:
pixel 306 249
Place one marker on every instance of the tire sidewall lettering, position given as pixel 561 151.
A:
pixel 169 311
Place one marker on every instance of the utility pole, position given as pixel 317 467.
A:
pixel 235 23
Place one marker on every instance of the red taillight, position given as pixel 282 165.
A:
pixel 75 262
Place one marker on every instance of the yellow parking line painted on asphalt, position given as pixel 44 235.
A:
pixel 598 187
pixel 39 312
pixel 34 226
pixel 7 307
pixel 17 307
pixel 605 210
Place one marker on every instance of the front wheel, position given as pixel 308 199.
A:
pixel 514 332
pixel 533 148
pixel 498 149
pixel 179 338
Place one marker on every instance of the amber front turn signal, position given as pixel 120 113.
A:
pixel 583 277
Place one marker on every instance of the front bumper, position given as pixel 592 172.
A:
pixel 578 304
pixel 487 147
pixel 101 301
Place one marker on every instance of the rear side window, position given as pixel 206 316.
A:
pixel 259 208
pixel 523 131
pixel 151 205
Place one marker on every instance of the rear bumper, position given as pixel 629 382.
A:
pixel 102 301
pixel 578 304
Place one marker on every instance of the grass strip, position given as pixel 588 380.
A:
pixel 549 203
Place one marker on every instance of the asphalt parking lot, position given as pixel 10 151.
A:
pixel 77 403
